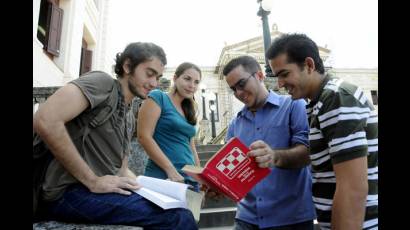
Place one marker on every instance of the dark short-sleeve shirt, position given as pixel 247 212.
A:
pixel 105 146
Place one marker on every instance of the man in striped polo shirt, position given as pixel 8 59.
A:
pixel 343 135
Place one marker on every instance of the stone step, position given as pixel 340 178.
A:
pixel 47 225
pixel 205 148
pixel 203 162
pixel 217 217
pixel 218 228
pixel 205 155
pixel 315 227
pixel 203 224
pixel 221 203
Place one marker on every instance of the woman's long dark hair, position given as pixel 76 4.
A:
pixel 189 106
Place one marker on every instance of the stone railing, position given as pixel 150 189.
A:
pixel 40 94
pixel 220 138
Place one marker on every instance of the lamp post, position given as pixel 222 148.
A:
pixel 264 10
pixel 212 107
pixel 203 87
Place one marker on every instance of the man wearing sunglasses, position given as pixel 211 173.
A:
pixel 274 124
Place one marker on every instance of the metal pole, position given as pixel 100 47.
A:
pixel 203 107
pixel 266 37
pixel 213 124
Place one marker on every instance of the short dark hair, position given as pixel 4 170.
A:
pixel 247 62
pixel 137 53
pixel 297 47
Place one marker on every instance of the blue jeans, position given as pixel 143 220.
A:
pixel 80 205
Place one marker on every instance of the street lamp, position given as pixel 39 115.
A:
pixel 264 10
pixel 212 107
pixel 203 87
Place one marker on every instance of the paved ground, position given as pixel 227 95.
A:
pixel 218 228
pixel 231 227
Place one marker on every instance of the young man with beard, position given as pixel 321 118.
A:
pixel 88 180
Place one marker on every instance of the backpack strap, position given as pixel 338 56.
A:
pixel 94 119
pixel 106 112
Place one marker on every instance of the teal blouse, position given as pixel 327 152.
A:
pixel 173 134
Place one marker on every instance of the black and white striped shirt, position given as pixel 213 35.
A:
pixel 343 126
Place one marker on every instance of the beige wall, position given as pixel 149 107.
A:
pixel 45 72
pixel 80 19
pixel 367 79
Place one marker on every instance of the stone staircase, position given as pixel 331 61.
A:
pixel 216 214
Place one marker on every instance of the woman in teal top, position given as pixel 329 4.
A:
pixel 166 127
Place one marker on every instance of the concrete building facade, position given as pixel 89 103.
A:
pixel 69 38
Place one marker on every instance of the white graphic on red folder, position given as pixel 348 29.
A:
pixel 233 162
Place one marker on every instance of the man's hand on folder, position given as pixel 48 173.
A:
pixel 294 157
pixel 263 154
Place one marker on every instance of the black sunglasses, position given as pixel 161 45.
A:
pixel 241 83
